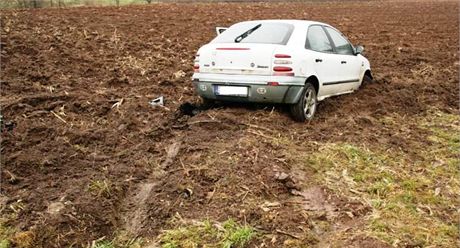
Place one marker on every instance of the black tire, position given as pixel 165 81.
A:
pixel 207 103
pixel 300 111
pixel 366 80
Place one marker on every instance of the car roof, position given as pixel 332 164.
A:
pixel 288 21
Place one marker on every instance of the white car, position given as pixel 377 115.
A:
pixel 294 62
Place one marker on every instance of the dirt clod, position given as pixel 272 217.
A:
pixel 55 208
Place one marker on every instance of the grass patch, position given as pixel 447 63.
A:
pixel 11 237
pixel 206 234
pixel 5 235
pixel 120 241
pixel 103 244
pixel 413 201
pixel 100 188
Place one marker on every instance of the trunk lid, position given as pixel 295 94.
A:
pixel 237 58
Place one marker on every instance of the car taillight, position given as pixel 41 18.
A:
pixel 273 83
pixel 196 66
pixel 280 68
pixel 282 56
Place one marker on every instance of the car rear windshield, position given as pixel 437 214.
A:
pixel 267 33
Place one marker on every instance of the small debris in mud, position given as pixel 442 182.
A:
pixel 6 125
pixel 282 176
pixel 179 74
pixel 13 178
pixel 187 193
pixel 159 101
pixel 288 181
pixel 117 104
pixel 267 206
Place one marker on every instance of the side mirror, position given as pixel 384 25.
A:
pixel 220 30
pixel 359 50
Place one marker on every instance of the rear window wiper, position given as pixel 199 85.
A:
pixel 240 37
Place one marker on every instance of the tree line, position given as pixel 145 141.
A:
pixel 64 3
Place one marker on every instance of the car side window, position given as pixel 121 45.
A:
pixel 342 46
pixel 317 40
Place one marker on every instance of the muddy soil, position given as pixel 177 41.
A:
pixel 88 156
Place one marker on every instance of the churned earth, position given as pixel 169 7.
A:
pixel 86 161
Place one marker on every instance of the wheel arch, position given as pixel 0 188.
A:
pixel 368 73
pixel 314 81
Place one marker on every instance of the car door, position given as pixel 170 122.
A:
pixel 323 59
pixel 350 64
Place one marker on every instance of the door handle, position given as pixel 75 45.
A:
pixel 343 62
pixel 318 60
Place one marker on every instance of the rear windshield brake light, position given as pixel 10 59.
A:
pixel 232 48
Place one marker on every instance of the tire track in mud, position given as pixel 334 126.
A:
pixel 318 202
pixel 136 205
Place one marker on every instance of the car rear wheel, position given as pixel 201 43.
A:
pixel 305 108
pixel 207 103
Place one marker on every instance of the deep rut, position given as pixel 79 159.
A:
pixel 135 206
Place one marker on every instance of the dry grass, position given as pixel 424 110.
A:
pixel 101 188
pixel 413 201
pixel 207 234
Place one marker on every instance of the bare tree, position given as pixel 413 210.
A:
pixel 22 3
pixel 9 3
pixel 29 3
pixel 117 2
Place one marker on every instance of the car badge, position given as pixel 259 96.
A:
pixel 261 90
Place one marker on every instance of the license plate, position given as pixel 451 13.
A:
pixel 222 90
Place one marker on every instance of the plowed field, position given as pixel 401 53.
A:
pixel 86 160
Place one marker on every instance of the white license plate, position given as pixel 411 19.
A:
pixel 231 90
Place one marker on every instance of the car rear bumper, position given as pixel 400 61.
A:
pixel 287 91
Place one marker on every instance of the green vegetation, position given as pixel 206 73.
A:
pixel 413 196
pixel 120 241
pixel 103 244
pixel 5 234
pixel 205 234
pixel 100 188
pixel 4 243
